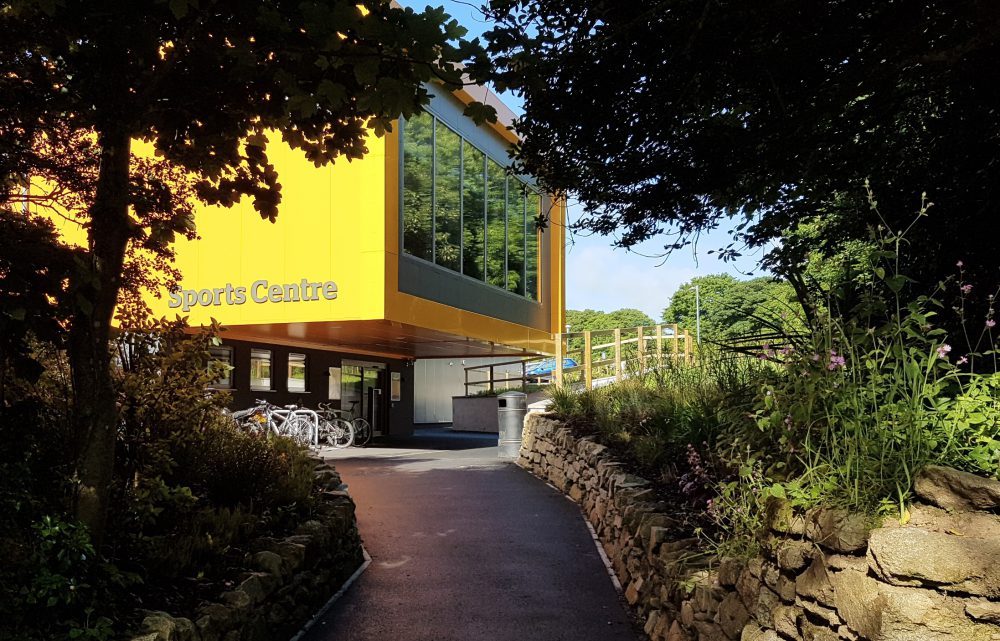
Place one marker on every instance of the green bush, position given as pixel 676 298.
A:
pixel 190 490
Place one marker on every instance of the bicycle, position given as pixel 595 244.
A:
pixel 361 428
pixel 334 430
pixel 299 424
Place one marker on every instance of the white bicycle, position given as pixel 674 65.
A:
pixel 298 423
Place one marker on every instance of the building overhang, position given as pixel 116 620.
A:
pixel 373 337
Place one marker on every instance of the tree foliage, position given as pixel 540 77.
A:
pixel 732 308
pixel 580 320
pixel 201 84
pixel 671 116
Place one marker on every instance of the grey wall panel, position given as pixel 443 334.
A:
pixel 420 278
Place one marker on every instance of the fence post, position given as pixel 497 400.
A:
pixel 688 355
pixel 524 376
pixel 659 346
pixel 466 382
pixel 677 343
pixel 559 360
pixel 618 354
pixel 491 379
pixel 587 359
pixel 641 344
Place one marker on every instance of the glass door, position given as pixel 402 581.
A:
pixel 363 393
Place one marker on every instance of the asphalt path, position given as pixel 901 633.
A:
pixel 466 548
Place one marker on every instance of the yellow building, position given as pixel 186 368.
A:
pixel 426 248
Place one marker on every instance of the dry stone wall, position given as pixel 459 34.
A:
pixel 825 575
pixel 286 580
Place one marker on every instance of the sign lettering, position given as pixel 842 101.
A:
pixel 260 291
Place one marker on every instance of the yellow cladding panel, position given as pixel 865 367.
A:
pixel 330 229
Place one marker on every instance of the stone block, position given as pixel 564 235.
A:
pixel 753 632
pixel 814 583
pixel 794 555
pixel 732 615
pixel 837 530
pixel 786 620
pixel 729 571
pixel 910 556
pixel 858 601
pixel 955 490
pixel 677 633
pixel 813 632
pixel 984 611
pixel 780 517
pixel 913 614
pixel 267 561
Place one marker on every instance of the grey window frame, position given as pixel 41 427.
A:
pixel 270 358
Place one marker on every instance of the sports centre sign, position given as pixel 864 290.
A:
pixel 260 291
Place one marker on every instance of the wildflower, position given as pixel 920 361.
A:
pixel 788 421
pixel 815 357
pixel 836 362
pixel 966 288
pixel 962 361
pixel 785 351
pixel 942 351
pixel 990 322
pixel 960 264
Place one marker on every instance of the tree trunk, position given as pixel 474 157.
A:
pixel 94 295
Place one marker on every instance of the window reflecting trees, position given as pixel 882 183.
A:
pixel 463 212
pixel 418 186
pixel 474 212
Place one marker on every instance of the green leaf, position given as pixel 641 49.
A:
pixel 777 491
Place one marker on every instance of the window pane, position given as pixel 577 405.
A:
pixel 296 372
pixel 496 232
pixel 418 162
pixel 260 369
pixel 447 198
pixel 224 357
pixel 473 210
pixel 515 236
pixel 534 207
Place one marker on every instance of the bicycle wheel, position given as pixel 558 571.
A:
pixel 299 428
pixel 337 433
pixel 362 432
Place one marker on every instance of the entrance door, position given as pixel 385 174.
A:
pixel 362 393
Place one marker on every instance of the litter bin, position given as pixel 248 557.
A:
pixel 511 409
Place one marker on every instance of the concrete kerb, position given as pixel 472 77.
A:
pixel 343 589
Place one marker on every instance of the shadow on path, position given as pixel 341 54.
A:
pixel 464 547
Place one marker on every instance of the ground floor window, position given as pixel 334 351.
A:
pixel 223 356
pixel 260 369
pixel 296 372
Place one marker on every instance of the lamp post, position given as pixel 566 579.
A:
pixel 697 314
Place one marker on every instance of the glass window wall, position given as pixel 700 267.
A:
pixel 515 236
pixel 533 208
pixel 474 212
pixel 463 212
pixel 418 186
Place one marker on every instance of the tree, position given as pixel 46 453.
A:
pixel 202 82
pixel 732 308
pixel 670 116
pixel 595 319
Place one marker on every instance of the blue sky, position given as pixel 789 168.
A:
pixel 598 276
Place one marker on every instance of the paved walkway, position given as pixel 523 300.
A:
pixel 465 548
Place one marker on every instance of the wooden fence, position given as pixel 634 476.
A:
pixel 604 356
pixel 630 351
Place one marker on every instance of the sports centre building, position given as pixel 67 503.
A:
pixel 426 248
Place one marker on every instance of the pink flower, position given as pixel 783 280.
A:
pixel 990 322
pixel 836 362
pixel 942 351
pixel 966 288
pixel 960 264
pixel 962 361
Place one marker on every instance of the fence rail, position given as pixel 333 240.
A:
pixel 631 350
